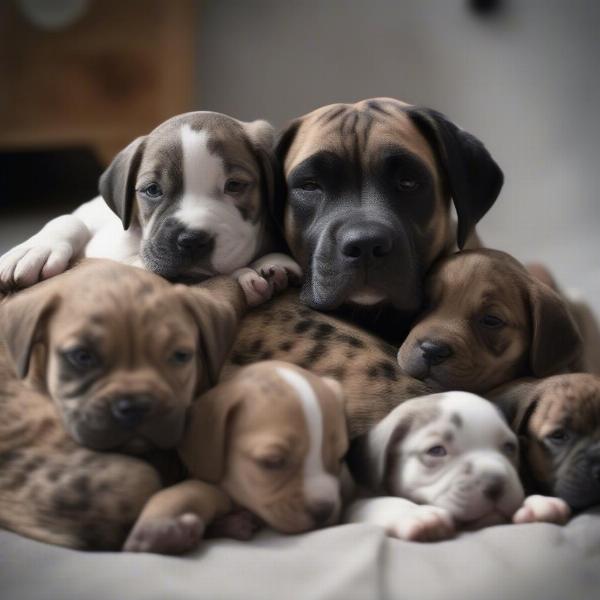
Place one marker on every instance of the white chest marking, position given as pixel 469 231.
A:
pixel 318 484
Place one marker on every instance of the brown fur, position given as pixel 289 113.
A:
pixel 51 488
pixel 284 329
pixel 539 408
pixel 538 336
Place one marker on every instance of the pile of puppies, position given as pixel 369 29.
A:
pixel 141 412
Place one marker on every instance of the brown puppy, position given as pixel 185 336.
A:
pixel 124 356
pixel 558 422
pixel 284 329
pixel 367 209
pixel 117 355
pixel 488 321
pixel 273 438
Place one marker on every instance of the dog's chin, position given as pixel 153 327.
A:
pixel 489 518
pixel 175 271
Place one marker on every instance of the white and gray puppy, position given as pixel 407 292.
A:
pixel 187 201
pixel 444 462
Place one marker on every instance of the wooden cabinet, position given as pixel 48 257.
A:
pixel 119 70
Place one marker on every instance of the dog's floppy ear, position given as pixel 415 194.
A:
pixel 204 444
pixel 23 321
pixel 517 401
pixel 556 341
pixel 217 307
pixel 117 183
pixel 262 136
pixel 282 146
pixel 472 176
pixel 370 454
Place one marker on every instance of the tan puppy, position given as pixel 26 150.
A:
pixel 488 321
pixel 272 439
pixel 121 351
pixel 558 423
pixel 445 462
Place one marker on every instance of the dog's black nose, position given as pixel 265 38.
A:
pixel 435 353
pixel 493 487
pixel 130 411
pixel 196 241
pixel 321 511
pixel 369 241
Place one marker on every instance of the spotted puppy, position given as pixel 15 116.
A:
pixel 270 440
pixel 114 356
pixel 488 321
pixel 284 329
pixel 443 462
pixel 557 420
pixel 187 201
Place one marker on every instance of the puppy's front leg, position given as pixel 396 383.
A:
pixel 173 521
pixel 543 509
pixel 45 254
pixel 268 275
pixel 403 519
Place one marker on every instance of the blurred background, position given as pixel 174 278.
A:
pixel 79 79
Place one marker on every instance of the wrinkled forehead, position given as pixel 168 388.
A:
pixel 478 277
pixel 360 132
pixel 571 402
pixel 199 134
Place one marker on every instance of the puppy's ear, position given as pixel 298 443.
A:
pixel 472 177
pixel 370 455
pixel 23 320
pixel 556 341
pixel 262 136
pixel 204 444
pixel 217 307
pixel 517 401
pixel 117 183
pixel 282 146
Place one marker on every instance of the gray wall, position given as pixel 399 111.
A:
pixel 526 82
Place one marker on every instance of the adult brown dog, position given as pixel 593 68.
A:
pixel 114 357
pixel 488 321
pixel 367 208
pixel 557 420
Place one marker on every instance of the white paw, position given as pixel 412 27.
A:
pixel 422 524
pixel 543 509
pixel 33 261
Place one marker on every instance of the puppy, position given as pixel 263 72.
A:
pixel 284 329
pixel 488 321
pixel 558 423
pixel 273 440
pixel 187 201
pixel 445 461
pixel 121 352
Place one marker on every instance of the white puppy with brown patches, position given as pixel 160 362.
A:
pixel 187 201
pixel 444 462
pixel 271 440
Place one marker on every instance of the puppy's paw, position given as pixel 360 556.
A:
pixel 543 509
pixel 256 288
pixel 238 525
pixel 279 269
pixel 33 261
pixel 166 535
pixel 422 524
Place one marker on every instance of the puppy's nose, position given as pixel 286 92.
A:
pixel 370 241
pixel 321 511
pixel 493 487
pixel 435 353
pixel 130 411
pixel 196 241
